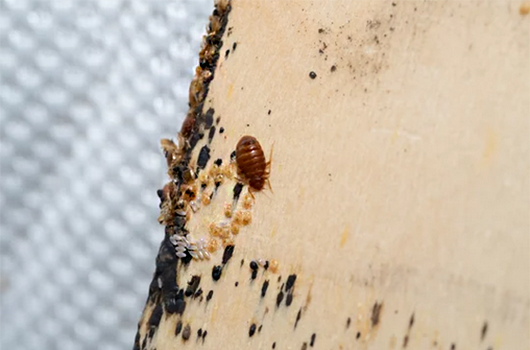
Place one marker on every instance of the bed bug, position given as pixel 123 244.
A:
pixel 252 166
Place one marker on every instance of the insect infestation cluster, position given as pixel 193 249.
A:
pixel 180 203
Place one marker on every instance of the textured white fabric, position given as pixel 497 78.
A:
pixel 87 89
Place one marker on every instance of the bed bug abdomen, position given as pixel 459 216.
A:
pixel 251 163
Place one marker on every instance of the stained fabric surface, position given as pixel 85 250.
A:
pixel 87 89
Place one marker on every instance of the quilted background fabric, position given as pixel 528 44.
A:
pixel 87 89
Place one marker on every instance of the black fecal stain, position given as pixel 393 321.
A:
pixel 259 328
pixel 203 186
pixel 211 134
pixel 218 162
pixel 264 288
pixel 348 322
pixel 217 184
pixel 304 346
pixel 229 250
pixel 376 313
pixel 195 137
pixel 289 299
pixel 290 282
pixel 358 335
pixel 237 191
pixel 217 120
pixel 405 341
pixel 186 332
pixel 186 260
pixel 174 301
pixel 253 265
pixel 266 266
pixel 204 334
pixel 242 262
pixel 279 278
pixel 221 130
pixel 234 46
pixel 394 4
pixel 484 331
pixel 233 156
pixel 269 112
pixel 151 333
pixel 313 338
pixel 289 287
pixel 178 328
pixel 274 345
pixel 236 284
pixel 227 53
pixel 411 321
pixel 199 333
pixel 254 274
pixel 193 284
pixel 453 346
pixel 210 295
pixel 279 298
pixel 197 294
pixel 312 75
pixel 156 316
pixel 137 341
pixel 298 316
pixel 321 31
pixel 333 68
pixel 252 330
pixel 208 118
pixel 166 266
pixel 204 157
pixel 216 272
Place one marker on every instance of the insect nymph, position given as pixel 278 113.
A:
pixel 252 166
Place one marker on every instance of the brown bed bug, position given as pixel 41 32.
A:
pixel 252 166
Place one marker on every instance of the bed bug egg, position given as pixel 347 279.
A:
pixel 251 163
pixel 194 206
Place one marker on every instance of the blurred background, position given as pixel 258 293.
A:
pixel 87 89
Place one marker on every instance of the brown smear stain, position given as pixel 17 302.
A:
pixel 344 237
pixel 230 91
pixel 524 9
pixel 490 145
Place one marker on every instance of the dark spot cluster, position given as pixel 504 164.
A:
pixel 201 334
pixel 254 268
pixel 165 296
